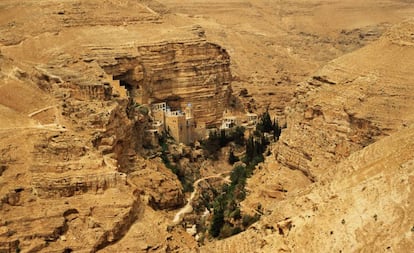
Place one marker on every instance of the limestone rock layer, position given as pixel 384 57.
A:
pixel 71 174
pixel 184 72
pixel 350 103
pixel 350 133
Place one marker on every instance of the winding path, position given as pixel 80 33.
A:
pixel 188 208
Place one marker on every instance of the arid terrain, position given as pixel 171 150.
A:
pixel 79 171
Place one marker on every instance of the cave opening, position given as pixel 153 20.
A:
pixel 132 88
pixel 127 86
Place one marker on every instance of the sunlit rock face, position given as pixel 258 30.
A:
pixel 184 72
pixel 350 103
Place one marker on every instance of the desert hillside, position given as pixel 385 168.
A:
pixel 350 135
pixel 364 206
pixel 123 123
pixel 276 44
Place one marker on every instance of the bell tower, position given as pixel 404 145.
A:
pixel 189 111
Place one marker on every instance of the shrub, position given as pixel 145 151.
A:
pixel 226 230
pixel 247 220
pixel 143 110
pixel 236 214
pixel 237 230
pixel 211 146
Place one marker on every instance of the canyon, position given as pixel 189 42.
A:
pixel 349 149
pixel 76 173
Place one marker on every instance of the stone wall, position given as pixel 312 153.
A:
pixel 177 127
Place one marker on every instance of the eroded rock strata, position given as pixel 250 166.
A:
pixel 185 72
pixel 74 74
pixel 72 178
pixel 352 102
pixel 348 145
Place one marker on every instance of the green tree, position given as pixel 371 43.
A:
pixel 218 216
pixel 248 220
pixel 223 140
pixel 265 124
pixel 238 136
pixel 232 158
pixel 277 130
pixel 238 175
pixel 211 146
pixel 250 149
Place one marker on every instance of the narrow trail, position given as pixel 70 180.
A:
pixel 188 208
pixel 41 110
pixel 50 127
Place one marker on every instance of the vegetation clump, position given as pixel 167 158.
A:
pixel 227 218
pixel 217 140
pixel 186 181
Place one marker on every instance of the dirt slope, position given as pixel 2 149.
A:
pixel 349 130
pixel 276 44
pixel 71 174
pixel 365 207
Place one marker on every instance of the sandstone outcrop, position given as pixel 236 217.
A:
pixel 56 185
pixel 159 184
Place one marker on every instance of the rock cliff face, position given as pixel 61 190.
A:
pixel 64 164
pixel 366 206
pixel 349 129
pixel 71 174
pixel 350 103
pixel 184 72
pixel 193 72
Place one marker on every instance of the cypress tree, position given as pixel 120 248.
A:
pixel 222 138
pixel 232 158
pixel 277 130
pixel 238 136
pixel 217 222
pixel 250 149
pixel 218 215
pixel 265 124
